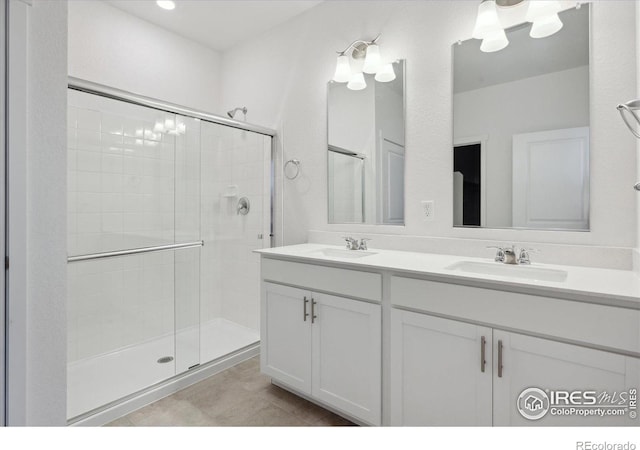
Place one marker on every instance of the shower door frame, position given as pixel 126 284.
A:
pixel 127 404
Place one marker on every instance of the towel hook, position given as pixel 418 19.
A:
pixel 630 108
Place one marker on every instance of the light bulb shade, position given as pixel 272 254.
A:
pixel 487 21
pixel 372 60
pixel 166 4
pixel 545 27
pixel 343 70
pixel 541 9
pixel 494 42
pixel 357 83
pixel 386 73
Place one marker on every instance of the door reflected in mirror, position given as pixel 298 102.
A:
pixel 366 151
pixel 521 130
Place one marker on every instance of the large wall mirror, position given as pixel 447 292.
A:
pixel 521 130
pixel 366 151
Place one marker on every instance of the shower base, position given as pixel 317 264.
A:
pixel 103 379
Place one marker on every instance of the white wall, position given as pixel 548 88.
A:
pixel 46 217
pixel 499 112
pixel 111 47
pixel 282 77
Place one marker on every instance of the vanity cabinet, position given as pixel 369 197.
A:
pixel 440 371
pixel 437 375
pixel 325 346
pixel 456 351
pixel 531 361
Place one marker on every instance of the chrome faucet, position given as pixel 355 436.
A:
pixel 363 244
pixel 354 244
pixel 507 255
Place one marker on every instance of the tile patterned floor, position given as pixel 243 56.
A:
pixel 239 396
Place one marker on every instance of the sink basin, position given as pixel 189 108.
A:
pixel 340 253
pixel 506 270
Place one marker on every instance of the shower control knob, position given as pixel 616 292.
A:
pixel 637 186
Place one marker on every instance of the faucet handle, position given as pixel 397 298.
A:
pixel 500 256
pixel 523 257
pixel 363 244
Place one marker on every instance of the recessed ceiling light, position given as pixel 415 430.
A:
pixel 166 4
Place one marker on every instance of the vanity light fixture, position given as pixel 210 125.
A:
pixel 359 50
pixel 386 73
pixel 544 16
pixel 542 13
pixel 357 82
pixel 166 4
pixel 488 28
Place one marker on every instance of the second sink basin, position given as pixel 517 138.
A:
pixel 507 270
pixel 340 253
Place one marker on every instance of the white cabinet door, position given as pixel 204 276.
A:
pixel 285 352
pixel 437 376
pixel 554 366
pixel 347 356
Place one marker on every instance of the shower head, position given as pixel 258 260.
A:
pixel 233 112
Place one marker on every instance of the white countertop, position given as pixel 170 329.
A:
pixel 619 288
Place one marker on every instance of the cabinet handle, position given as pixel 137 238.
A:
pixel 483 346
pixel 313 310
pixel 305 314
pixel 499 359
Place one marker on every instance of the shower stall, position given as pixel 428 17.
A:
pixel 165 208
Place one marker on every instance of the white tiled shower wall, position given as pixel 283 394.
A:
pixel 121 181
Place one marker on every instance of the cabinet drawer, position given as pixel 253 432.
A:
pixel 347 282
pixel 598 325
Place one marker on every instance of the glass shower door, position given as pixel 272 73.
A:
pixel 236 208
pixel 164 212
pixel 133 190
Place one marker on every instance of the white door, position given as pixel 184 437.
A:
pixel 554 366
pixel 285 353
pixel 347 356
pixel 551 179
pixel 438 375
pixel 392 181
